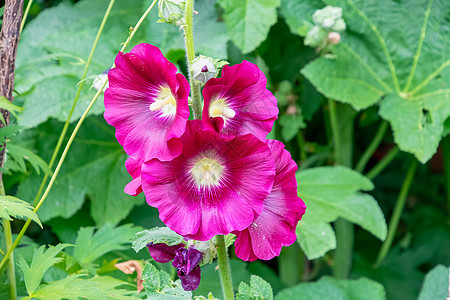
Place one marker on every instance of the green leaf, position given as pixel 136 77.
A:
pixel 90 245
pixel 248 22
pixel 331 288
pixel 158 285
pixel 407 71
pixel 95 167
pixel 42 261
pixel 258 289
pixel 97 288
pixel 16 208
pixel 435 285
pixel 17 156
pixel 7 105
pixel 290 125
pixel 332 192
pixel 315 237
pixel 9 131
pixel 156 235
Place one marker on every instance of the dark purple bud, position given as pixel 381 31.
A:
pixel 163 253
pixel 186 262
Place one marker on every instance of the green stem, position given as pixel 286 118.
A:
pixel 379 167
pixel 446 155
pixel 301 145
pixel 224 268
pixel 75 101
pixel 398 209
pixel 372 147
pixel 69 143
pixel 25 15
pixel 8 243
pixel 291 265
pixel 190 55
pixel 334 128
pixel 342 261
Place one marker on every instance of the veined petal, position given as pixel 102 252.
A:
pixel 282 209
pixel 133 167
pixel 239 103
pixel 215 186
pixel 147 104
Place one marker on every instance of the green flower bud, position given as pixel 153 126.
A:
pixel 329 18
pixel 315 36
pixel 172 11
pixel 204 68
pixel 99 80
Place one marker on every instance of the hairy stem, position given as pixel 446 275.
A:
pixel 398 209
pixel 224 268
pixel 190 55
pixel 75 101
pixel 372 147
pixel 69 143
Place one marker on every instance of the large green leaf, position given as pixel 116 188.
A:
pixel 248 21
pixel 90 245
pixel 332 192
pixel 375 59
pixel 210 35
pixel 94 168
pixel 16 208
pixel 42 261
pixel 158 285
pixel 331 288
pixel 156 235
pixel 258 289
pixel 435 285
pixel 53 50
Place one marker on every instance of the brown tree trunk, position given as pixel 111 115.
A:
pixel 9 37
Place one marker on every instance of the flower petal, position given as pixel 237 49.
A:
pixel 275 226
pixel 215 186
pixel 133 167
pixel 239 103
pixel 191 281
pixel 147 104
pixel 163 253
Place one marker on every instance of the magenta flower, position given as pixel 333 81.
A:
pixel 187 264
pixel 239 102
pixel 275 226
pixel 147 104
pixel 163 253
pixel 133 166
pixel 215 186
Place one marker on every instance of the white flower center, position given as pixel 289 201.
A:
pixel 207 172
pixel 220 108
pixel 165 102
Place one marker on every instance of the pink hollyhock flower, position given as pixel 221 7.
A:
pixel 163 253
pixel 275 226
pixel 239 102
pixel 215 186
pixel 133 166
pixel 147 103
pixel 187 264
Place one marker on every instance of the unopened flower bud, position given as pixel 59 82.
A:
pixel 329 18
pixel 203 68
pixel 171 11
pixel 291 110
pixel 334 38
pixel 99 81
pixel 315 36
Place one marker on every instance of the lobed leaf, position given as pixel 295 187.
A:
pixel 158 285
pixel 435 285
pixel 258 289
pixel 155 235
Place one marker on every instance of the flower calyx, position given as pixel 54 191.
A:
pixel 204 68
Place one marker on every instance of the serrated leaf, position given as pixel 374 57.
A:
pixel 97 288
pixel 332 192
pixel 156 235
pixel 17 156
pixel 257 290
pixel 373 59
pixel 9 131
pixel 315 238
pixel 435 285
pixel 16 208
pixel 158 285
pixel 90 245
pixel 331 288
pixel 248 21
pixel 42 261
pixel 95 167
pixel 7 105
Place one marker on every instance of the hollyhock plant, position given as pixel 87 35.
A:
pixel 215 186
pixel 187 262
pixel 147 103
pixel 239 103
pixel 275 226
